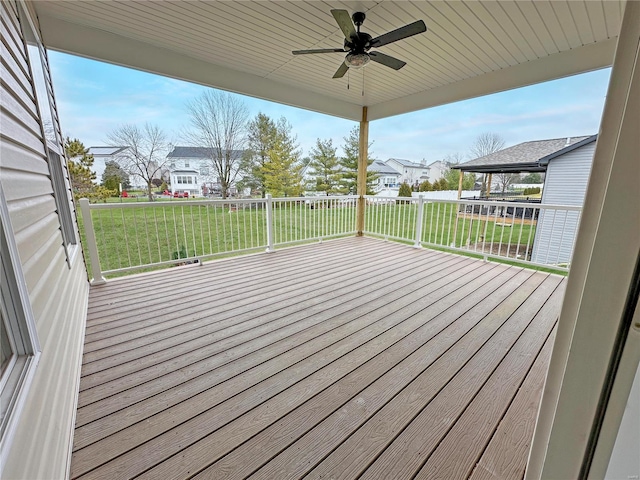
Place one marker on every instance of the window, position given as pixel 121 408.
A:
pixel 20 348
pixel 186 164
pixel 172 164
pixel 204 170
pixel 182 179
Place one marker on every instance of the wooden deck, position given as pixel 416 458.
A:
pixel 354 358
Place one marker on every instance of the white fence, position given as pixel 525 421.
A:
pixel 131 236
pixel 530 233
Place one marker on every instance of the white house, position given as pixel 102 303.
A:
pixel 410 172
pixel 437 170
pixel 388 177
pixel 45 288
pixel 104 154
pixel 191 170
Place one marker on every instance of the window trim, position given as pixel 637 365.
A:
pixel 21 326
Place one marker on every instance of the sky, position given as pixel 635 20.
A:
pixel 94 98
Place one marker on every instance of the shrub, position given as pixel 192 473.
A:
pixel 404 191
pixel 531 191
pixel 425 186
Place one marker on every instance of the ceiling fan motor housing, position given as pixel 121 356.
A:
pixel 359 43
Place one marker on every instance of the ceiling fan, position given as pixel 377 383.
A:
pixel 357 44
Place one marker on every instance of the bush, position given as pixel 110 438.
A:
pixel 531 191
pixel 425 186
pixel 404 191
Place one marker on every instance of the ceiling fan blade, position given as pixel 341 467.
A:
pixel 386 60
pixel 318 50
pixel 399 33
pixel 342 69
pixel 344 22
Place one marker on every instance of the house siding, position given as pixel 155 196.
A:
pixel 565 184
pixel 57 284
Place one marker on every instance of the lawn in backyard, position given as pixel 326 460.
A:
pixel 170 231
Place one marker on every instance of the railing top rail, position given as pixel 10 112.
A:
pixel 315 198
pixel 217 201
pixel 576 208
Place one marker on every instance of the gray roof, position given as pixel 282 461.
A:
pixel 197 152
pixel 408 163
pixel 383 168
pixel 525 157
pixel 106 150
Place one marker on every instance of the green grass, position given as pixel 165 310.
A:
pixel 171 231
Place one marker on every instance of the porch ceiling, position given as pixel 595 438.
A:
pixel 471 48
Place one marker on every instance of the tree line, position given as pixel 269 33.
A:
pixel 271 160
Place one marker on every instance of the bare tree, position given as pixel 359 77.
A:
pixel 485 144
pixel 219 122
pixel 146 155
pixel 505 180
pixel 454 158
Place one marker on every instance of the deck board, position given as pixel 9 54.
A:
pixel 328 360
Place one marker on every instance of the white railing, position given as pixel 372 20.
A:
pixel 121 237
pixel 531 233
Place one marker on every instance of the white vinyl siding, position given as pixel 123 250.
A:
pixel 565 184
pixel 57 289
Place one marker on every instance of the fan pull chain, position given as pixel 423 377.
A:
pixel 363 82
pixel 348 79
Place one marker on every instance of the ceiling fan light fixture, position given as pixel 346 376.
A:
pixel 356 60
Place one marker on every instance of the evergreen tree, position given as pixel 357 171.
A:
pixel 425 186
pixel 349 164
pixel 283 172
pixel 453 180
pixel 404 191
pixel 114 175
pixel 79 164
pixel 326 168
pixel 261 138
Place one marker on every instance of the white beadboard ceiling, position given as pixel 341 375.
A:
pixel 471 48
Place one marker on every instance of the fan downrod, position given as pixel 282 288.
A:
pixel 358 19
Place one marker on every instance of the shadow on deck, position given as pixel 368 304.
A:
pixel 353 358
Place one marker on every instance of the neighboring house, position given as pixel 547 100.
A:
pixel 388 177
pixel 102 155
pixel 437 170
pixel 565 183
pixel 410 172
pixel 567 163
pixel 191 170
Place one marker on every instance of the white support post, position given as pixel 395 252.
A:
pixel 595 354
pixel 269 223
pixel 418 237
pixel 92 246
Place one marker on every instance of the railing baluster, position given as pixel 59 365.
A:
pixel 418 235
pixel 269 203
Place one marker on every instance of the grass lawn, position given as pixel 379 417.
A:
pixel 172 230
